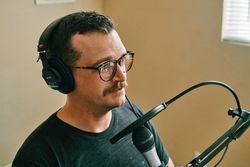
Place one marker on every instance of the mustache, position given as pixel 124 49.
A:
pixel 122 85
pixel 115 87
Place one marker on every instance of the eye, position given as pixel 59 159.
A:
pixel 106 67
pixel 122 60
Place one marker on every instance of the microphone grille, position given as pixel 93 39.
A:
pixel 143 139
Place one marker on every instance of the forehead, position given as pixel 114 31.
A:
pixel 95 46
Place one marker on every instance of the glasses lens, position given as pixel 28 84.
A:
pixel 127 62
pixel 106 70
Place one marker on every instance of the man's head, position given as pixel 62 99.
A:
pixel 55 49
pixel 76 23
pixel 91 49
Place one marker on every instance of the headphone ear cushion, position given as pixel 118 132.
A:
pixel 58 75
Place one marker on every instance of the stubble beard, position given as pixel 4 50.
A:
pixel 115 88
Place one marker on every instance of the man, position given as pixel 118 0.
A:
pixel 84 58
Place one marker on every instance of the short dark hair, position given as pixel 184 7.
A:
pixel 82 23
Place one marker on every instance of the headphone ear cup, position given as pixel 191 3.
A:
pixel 58 75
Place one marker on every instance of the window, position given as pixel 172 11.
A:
pixel 236 21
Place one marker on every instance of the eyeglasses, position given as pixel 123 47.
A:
pixel 107 70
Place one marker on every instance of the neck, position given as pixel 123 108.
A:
pixel 85 118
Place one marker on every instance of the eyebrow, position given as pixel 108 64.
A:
pixel 103 60
pixel 106 59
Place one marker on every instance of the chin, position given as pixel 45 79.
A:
pixel 115 98
pixel 121 101
pixel 118 101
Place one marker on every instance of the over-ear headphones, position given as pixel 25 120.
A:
pixel 55 72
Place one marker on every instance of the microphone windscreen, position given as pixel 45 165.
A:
pixel 143 139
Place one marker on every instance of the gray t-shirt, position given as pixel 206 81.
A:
pixel 57 144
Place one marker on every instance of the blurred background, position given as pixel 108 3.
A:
pixel 177 44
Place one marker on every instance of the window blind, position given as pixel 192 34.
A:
pixel 236 21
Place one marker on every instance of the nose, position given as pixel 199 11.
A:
pixel 121 74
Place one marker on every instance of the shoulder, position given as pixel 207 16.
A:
pixel 45 130
pixel 37 145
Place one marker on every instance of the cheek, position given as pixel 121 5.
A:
pixel 84 79
pixel 89 85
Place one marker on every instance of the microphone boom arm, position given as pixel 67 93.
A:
pixel 241 125
pixel 156 110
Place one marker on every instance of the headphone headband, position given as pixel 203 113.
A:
pixel 46 34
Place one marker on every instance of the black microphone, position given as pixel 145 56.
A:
pixel 144 141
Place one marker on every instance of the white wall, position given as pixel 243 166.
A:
pixel 25 99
